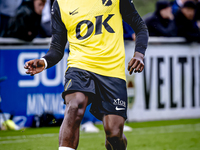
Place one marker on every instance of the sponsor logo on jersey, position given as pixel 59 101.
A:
pixel 73 12
pixel 107 2
pixel 97 26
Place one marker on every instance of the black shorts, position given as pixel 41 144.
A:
pixel 108 95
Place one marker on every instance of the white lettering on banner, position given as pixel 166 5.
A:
pixel 176 80
pixel 20 65
pixel 43 76
pixel 40 103
pixel 169 87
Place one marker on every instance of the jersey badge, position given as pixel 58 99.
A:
pixel 107 2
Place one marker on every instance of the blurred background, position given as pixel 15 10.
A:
pixel 166 91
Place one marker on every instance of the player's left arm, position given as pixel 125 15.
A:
pixel 131 16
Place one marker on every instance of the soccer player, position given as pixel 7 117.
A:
pixel 96 64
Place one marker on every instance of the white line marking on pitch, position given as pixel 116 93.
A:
pixel 28 136
pixel 167 129
pixel 15 141
pixel 136 131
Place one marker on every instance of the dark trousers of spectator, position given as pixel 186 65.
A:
pixel 3 23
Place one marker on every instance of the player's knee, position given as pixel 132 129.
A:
pixel 113 135
pixel 77 105
pixel 75 112
pixel 114 131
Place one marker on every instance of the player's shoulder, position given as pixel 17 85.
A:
pixel 55 8
pixel 55 3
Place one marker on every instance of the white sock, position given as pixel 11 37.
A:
pixel 65 148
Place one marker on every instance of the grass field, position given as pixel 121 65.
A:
pixel 156 135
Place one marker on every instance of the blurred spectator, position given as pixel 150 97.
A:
pixel 197 15
pixel 8 9
pixel 177 4
pixel 162 23
pixel 129 34
pixel 46 20
pixel 186 24
pixel 26 24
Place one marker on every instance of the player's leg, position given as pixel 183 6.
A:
pixel 113 126
pixel 69 131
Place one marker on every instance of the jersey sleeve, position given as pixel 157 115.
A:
pixel 131 16
pixel 59 37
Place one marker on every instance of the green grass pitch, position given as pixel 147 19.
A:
pixel 156 135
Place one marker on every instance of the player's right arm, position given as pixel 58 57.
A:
pixel 57 46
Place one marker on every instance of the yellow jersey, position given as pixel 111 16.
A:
pixel 95 35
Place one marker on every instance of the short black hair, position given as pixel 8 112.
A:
pixel 189 4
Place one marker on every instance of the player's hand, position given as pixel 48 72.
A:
pixel 136 64
pixel 34 66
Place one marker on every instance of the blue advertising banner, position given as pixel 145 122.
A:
pixel 25 96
